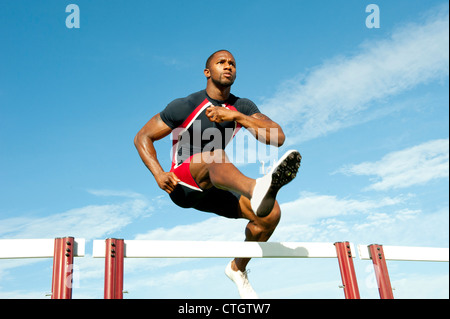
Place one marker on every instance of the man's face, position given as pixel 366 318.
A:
pixel 222 69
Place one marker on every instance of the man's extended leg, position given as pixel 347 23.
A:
pixel 258 229
pixel 214 169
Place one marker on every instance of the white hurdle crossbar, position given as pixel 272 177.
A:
pixel 35 248
pixel 115 250
pixel 405 253
pixel 219 249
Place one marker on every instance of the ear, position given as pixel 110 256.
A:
pixel 207 73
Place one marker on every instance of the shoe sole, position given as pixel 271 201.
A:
pixel 283 172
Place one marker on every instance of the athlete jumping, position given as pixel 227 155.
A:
pixel 201 175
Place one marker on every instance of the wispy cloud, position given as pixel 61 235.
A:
pixel 316 217
pixel 413 166
pixel 168 61
pixel 388 220
pixel 311 207
pixel 428 285
pixel 214 228
pixel 342 92
pixel 89 222
pixel 114 193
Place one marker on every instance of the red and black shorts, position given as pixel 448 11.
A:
pixel 188 194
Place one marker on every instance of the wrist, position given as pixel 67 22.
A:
pixel 238 117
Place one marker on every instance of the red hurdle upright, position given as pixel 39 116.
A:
pixel 345 258
pixel 62 268
pixel 381 271
pixel 114 256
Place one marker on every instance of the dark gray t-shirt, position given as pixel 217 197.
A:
pixel 193 132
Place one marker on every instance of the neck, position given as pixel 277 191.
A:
pixel 217 93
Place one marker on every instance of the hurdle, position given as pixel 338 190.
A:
pixel 61 249
pixel 114 250
pixel 379 254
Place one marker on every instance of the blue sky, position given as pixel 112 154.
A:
pixel 367 109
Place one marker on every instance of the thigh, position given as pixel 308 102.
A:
pixel 199 166
pixel 220 202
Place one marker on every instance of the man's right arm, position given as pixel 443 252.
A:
pixel 154 130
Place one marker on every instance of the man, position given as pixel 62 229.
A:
pixel 201 175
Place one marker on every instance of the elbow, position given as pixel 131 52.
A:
pixel 281 141
pixel 138 139
pixel 275 138
pixel 281 138
pixel 278 141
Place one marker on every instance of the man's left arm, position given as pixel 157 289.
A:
pixel 260 125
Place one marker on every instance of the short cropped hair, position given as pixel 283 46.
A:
pixel 212 55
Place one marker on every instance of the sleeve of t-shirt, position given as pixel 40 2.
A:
pixel 172 115
pixel 247 107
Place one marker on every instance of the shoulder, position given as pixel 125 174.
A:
pixel 245 101
pixel 245 106
pixel 191 99
pixel 188 101
pixel 179 109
